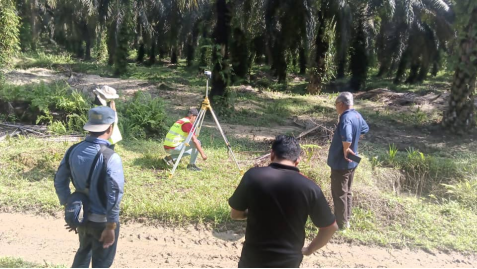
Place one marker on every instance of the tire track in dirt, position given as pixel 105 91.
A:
pixel 43 239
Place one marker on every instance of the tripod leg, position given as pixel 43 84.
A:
pixel 187 141
pixel 201 121
pixel 225 138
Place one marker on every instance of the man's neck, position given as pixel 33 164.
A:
pixel 346 109
pixel 284 162
pixel 104 137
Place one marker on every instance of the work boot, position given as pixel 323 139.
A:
pixel 169 161
pixel 193 167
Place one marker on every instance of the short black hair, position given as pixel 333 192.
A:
pixel 286 148
pixel 193 112
pixel 97 134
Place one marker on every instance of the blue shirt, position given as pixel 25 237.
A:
pixel 349 129
pixel 81 159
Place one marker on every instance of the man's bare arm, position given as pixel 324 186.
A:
pixel 347 150
pixel 238 215
pixel 323 237
pixel 199 147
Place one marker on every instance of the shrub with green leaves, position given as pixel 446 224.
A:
pixel 142 117
pixel 465 192
pixel 9 31
pixel 49 103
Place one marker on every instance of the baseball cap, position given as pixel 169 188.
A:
pixel 99 119
pixel 193 111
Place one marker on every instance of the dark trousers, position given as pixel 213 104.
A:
pixel 341 181
pixel 91 248
pixel 272 264
pixel 256 259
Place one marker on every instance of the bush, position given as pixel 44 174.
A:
pixel 465 192
pixel 44 60
pixel 9 31
pixel 142 117
pixel 422 172
pixel 48 103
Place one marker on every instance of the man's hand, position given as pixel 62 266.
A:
pixel 323 237
pixel 348 151
pixel 107 237
pixel 112 105
pixel 199 147
pixel 70 229
pixel 238 215
pixel 306 251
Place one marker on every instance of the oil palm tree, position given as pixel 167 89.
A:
pixel 413 37
pixel 459 116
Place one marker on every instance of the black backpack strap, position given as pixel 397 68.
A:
pixel 101 187
pixel 106 152
pixel 67 159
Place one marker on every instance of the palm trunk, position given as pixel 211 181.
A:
pixel 359 56
pixel 383 57
pixel 190 51
pixel 221 70
pixel 415 64
pixel 152 52
pixel 33 19
pixel 174 55
pixel 111 43
pixel 402 67
pixel 88 40
pixel 240 54
pixel 259 50
pixel 340 72
pixel 141 52
pixel 459 116
pixel 322 46
pixel 280 60
pixel 302 60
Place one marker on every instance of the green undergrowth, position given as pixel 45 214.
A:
pixel 10 262
pixel 380 217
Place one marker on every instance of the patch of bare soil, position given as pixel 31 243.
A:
pixel 43 239
pixel 33 75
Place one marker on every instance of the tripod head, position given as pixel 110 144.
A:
pixel 208 74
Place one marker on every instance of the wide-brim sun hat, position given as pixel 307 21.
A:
pixel 105 93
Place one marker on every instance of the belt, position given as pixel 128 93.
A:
pixel 97 218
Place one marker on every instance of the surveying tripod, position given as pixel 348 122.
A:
pixel 198 125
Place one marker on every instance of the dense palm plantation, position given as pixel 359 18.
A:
pixel 406 40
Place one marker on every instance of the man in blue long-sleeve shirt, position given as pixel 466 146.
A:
pixel 99 237
pixel 345 142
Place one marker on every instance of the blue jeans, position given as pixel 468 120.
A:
pixel 190 150
pixel 90 247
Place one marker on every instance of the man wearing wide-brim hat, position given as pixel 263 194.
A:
pixel 97 171
pixel 106 94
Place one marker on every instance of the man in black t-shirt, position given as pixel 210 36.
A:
pixel 276 201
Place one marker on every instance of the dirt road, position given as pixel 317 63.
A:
pixel 43 239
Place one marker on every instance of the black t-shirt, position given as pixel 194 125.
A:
pixel 279 200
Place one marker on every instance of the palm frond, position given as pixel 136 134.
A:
pixel 438 5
